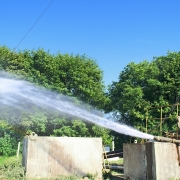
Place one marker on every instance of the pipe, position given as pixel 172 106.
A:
pixel 116 151
pixel 114 155
pixel 114 167
pixel 171 135
pixel 165 139
pixel 111 154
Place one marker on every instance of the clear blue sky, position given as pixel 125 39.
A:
pixel 112 32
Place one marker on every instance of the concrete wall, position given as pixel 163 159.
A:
pixel 48 157
pixel 151 161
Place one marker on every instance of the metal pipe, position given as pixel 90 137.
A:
pixel 114 155
pixel 116 151
pixel 165 139
pixel 114 167
pixel 172 135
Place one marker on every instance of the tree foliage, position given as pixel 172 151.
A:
pixel 140 92
pixel 76 76
pixel 143 86
pixel 7 145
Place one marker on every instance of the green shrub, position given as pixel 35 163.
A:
pixel 6 145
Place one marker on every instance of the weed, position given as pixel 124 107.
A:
pixel 12 169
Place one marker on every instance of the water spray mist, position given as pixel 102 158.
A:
pixel 14 93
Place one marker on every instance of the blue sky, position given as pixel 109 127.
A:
pixel 113 33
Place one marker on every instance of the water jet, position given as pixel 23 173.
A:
pixel 21 95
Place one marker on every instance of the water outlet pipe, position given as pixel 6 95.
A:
pixel 165 139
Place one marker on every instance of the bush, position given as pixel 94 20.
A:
pixel 6 145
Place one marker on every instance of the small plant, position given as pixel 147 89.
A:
pixel 12 169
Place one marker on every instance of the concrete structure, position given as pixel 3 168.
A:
pixel 50 157
pixel 151 161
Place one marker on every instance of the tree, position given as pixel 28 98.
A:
pixel 144 85
pixel 102 132
pixel 73 128
pixel 76 76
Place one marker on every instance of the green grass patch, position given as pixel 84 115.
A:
pixel 115 162
pixel 8 160
pixel 11 168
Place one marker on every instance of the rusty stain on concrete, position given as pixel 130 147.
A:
pixel 48 157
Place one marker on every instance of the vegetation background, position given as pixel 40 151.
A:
pixel 139 88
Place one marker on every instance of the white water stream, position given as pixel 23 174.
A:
pixel 14 92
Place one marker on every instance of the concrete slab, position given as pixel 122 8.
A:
pixel 48 157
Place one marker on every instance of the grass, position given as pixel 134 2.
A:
pixel 11 168
pixel 115 162
pixel 8 160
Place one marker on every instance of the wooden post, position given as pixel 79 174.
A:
pixel 177 110
pixel 146 119
pixel 161 122
pixel 17 154
pixel 113 143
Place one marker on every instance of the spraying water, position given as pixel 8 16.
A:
pixel 19 94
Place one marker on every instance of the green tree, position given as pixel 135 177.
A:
pixel 144 85
pixel 98 131
pixel 71 128
pixel 76 76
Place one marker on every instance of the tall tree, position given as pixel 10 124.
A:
pixel 143 86
pixel 76 76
